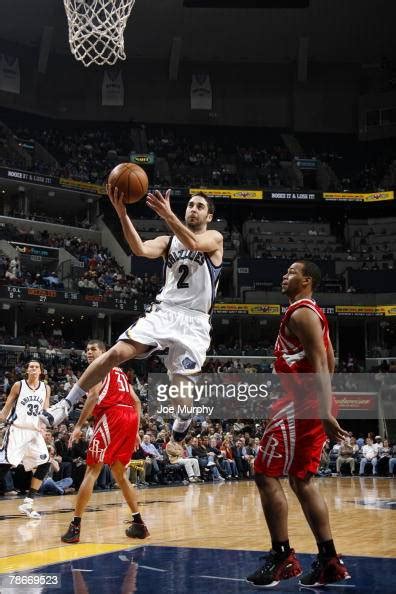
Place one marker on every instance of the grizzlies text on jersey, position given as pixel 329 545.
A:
pixel 190 279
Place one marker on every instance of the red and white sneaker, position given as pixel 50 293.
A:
pixel 276 567
pixel 325 571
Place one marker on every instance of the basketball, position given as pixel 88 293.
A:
pixel 131 180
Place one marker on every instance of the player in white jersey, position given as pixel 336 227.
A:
pixel 179 320
pixel 23 441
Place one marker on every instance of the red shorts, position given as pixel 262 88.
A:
pixel 290 446
pixel 114 436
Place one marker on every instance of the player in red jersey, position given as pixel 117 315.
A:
pixel 116 410
pixel 294 437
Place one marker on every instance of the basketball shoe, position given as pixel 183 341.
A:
pixel 276 567
pixel 56 413
pixel 72 535
pixel 325 571
pixel 137 530
pixel 27 509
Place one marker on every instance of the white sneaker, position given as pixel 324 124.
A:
pixel 56 413
pixel 210 463
pixel 219 479
pixel 27 509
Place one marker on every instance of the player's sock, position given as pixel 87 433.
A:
pixel 32 493
pixel 76 520
pixel 281 547
pixel 327 549
pixel 137 518
pixel 75 395
pixel 180 427
pixel 181 424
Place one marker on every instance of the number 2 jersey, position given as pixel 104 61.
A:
pixel 190 278
pixel 28 406
pixel 113 392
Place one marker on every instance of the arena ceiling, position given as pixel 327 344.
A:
pixel 338 30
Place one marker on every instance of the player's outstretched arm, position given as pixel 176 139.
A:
pixel 305 324
pixel 12 396
pixel 153 248
pixel 209 241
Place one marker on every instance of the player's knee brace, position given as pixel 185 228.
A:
pixel 41 471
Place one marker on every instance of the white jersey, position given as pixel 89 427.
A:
pixel 28 406
pixel 190 278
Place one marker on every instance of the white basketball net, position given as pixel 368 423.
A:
pixel 96 29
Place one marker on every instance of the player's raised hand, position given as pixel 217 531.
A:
pixel 117 200
pixel 74 436
pixel 160 203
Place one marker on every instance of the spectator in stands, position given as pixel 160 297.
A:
pixel 155 458
pixel 51 487
pixel 228 454
pixel 177 455
pixel 64 452
pixel 384 453
pixel 241 458
pixel 345 456
pixel 222 462
pixel 369 455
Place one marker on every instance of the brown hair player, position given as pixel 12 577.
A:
pixel 116 409
pixel 192 257
pixel 294 437
pixel 23 441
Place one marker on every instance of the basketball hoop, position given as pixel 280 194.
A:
pixel 96 29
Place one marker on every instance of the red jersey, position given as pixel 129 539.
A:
pixel 291 361
pixel 289 352
pixel 115 390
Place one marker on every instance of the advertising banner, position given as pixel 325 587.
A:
pixel 359 197
pixel 225 193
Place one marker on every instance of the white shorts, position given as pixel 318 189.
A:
pixel 186 333
pixel 23 445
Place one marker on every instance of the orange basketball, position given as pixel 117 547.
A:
pixel 131 180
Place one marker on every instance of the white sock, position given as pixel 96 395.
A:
pixel 181 425
pixel 75 395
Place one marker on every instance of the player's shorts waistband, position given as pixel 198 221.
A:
pixel 188 313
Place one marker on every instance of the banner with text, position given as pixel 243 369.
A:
pixel 359 197
pixel 297 196
pixel 225 193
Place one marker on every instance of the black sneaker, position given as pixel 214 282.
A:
pixel 276 567
pixel 325 571
pixel 180 429
pixel 137 530
pixel 72 535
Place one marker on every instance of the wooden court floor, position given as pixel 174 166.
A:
pixel 212 516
